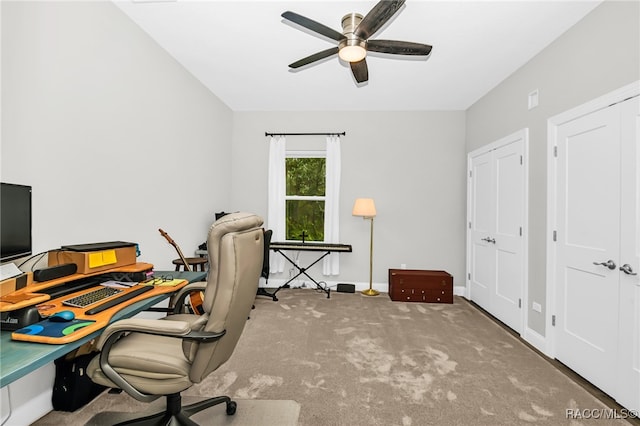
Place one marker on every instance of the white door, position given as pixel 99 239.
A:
pixel 598 240
pixel 481 221
pixel 587 291
pixel 497 198
pixel 508 241
pixel 628 393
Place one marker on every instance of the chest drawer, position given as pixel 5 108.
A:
pixel 409 285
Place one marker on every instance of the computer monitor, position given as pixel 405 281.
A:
pixel 15 221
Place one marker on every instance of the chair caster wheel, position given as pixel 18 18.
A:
pixel 231 408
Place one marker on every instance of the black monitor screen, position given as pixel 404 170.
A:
pixel 15 221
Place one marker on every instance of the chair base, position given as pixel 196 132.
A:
pixel 262 292
pixel 176 414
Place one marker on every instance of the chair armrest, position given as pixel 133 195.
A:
pixel 149 326
pixel 176 302
pixel 177 329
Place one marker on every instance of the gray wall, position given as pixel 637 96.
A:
pixel 119 140
pixel 599 54
pixel 115 137
pixel 411 163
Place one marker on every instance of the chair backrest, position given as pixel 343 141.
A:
pixel 235 246
pixel 265 262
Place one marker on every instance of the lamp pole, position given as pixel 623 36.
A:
pixel 370 291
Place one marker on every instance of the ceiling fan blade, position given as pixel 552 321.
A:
pixel 315 57
pixel 377 17
pixel 360 70
pixel 396 47
pixel 313 25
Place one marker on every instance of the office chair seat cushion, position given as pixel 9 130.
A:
pixel 151 364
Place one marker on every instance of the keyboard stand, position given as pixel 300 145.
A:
pixel 324 248
pixel 303 271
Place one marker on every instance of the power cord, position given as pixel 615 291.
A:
pixel 32 257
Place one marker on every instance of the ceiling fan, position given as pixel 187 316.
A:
pixel 354 41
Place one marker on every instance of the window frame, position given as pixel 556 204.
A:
pixel 304 154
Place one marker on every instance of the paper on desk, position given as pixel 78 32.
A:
pixel 118 284
pixel 161 283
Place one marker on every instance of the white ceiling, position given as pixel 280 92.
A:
pixel 241 50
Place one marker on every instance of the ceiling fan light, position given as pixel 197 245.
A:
pixel 352 53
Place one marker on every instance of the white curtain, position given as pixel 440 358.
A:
pixel 276 206
pixel 331 263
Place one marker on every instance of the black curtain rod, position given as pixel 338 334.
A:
pixel 304 134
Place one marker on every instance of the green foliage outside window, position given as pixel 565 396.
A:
pixel 307 216
pixel 305 212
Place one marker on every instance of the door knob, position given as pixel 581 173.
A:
pixel 609 264
pixel 627 269
pixel 491 240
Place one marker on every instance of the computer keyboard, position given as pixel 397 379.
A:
pixel 92 297
pixel 118 300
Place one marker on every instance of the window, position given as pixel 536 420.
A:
pixel 305 195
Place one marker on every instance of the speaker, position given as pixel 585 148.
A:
pixel 346 288
pixel 21 281
pixel 53 272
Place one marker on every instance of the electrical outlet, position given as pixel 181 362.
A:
pixel 536 307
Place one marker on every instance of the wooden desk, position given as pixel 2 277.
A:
pixel 32 297
pixel 17 359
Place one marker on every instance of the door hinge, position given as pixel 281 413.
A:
pixel 470 173
pixel 469 225
pixel 519 303
pixel 555 235
pixel 553 320
pixel 469 275
pixel 521 231
pixel 521 160
pixel 555 151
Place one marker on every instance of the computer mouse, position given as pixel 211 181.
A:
pixel 62 316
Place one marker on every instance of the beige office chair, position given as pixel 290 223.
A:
pixel 153 358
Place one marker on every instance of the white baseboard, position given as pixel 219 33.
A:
pixel 381 287
pixel 536 340
pixel 302 283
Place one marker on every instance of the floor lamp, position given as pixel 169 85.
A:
pixel 366 208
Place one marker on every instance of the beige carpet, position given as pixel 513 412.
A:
pixel 356 360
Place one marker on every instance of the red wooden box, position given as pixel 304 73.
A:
pixel 411 285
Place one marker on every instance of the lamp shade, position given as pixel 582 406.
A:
pixel 364 207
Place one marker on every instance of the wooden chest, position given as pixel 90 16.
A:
pixel 410 285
